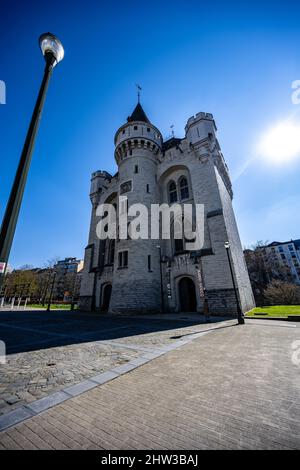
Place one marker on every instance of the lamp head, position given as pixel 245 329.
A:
pixel 227 245
pixel 51 48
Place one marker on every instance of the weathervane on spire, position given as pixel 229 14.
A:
pixel 139 88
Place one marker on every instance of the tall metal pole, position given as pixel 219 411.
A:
pixel 240 315
pixel 9 223
pixel 53 53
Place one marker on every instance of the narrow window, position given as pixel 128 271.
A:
pixel 148 129
pixel 149 262
pixel 172 192
pixel 184 188
pixel 111 252
pixel 123 259
pixel 178 242
pixel 147 188
pixel 136 169
pixel 135 128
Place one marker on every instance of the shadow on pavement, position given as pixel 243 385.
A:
pixel 33 330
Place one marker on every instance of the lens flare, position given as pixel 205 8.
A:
pixel 281 144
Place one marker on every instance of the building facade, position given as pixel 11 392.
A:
pixel 286 254
pixel 153 275
pixel 67 279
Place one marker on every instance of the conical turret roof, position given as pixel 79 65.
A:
pixel 138 115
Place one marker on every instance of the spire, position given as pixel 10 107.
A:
pixel 138 114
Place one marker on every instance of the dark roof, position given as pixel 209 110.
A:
pixel 173 142
pixel 296 243
pixel 138 115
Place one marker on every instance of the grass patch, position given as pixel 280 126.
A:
pixel 53 306
pixel 275 311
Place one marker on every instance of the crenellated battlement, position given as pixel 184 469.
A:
pixel 199 117
pixel 130 147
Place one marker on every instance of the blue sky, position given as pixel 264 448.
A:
pixel 236 60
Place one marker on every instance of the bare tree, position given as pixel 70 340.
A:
pixel 263 268
pixel 282 293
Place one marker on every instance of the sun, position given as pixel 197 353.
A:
pixel 281 143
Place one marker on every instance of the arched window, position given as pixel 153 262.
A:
pixel 172 192
pixel 184 188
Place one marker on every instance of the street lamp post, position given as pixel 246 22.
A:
pixel 53 52
pixel 161 280
pixel 240 315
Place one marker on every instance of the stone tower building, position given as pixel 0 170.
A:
pixel 148 275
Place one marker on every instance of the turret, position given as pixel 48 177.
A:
pixel 138 136
pixel 199 127
pixel 98 180
pixel 138 143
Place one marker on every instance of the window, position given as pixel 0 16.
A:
pixel 111 252
pixel 135 128
pixel 148 188
pixel 184 188
pixel 281 249
pixel 291 247
pixel 123 132
pixel 172 192
pixel 123 259
pixel 136 169
pixel 148 129
pixel 178 244
pixel 149 262
pixel 282 256
pixel 126 187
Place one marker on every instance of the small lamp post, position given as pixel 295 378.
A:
pixel 161 281
pixel 53 53
pixel 240 315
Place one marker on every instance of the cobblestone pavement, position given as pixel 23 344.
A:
pixel 234 388
pixel 48 351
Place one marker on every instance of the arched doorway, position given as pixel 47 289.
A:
pixel 106 294
pixel 187 295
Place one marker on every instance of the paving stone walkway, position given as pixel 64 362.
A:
pixel 233 388
pixel 47 352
